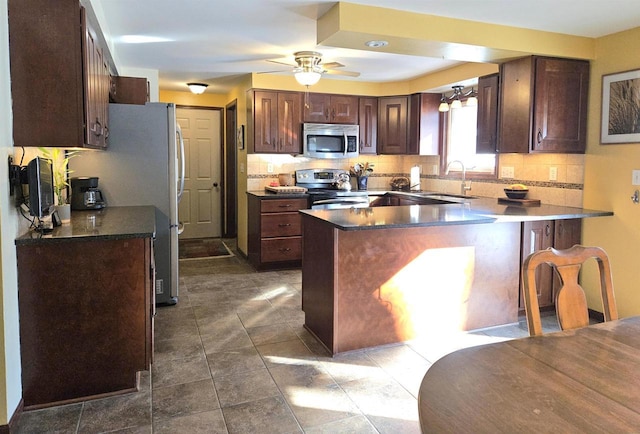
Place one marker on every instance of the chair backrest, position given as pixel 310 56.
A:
pixel 570 300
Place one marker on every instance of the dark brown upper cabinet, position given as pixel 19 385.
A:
pixel 59 76
pixel 409 125
pixel 334 109
pixel 368 115
pixel 543 105
pixel 276 124
pixel 487 130
pixel 393 132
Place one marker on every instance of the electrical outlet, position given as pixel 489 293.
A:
pixel 434 169
pixel 635 177
pixel 269 167
pixel 553 173
pixel 507 172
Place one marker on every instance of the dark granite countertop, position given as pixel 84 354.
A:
pixel 468 211
pixel 108 223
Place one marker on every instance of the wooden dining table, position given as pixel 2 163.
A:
pixel 585 380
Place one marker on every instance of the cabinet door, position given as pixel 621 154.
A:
pixel 560 114
pixel 289 122
pixel 368 121
pixel 516 91
pixel 317 108
pixel 96 90
pixel 265 120
pixel 46 72
pixel 423 124
pixel 344 109
pixel 538 235
pixel 392 125
pixel 487 135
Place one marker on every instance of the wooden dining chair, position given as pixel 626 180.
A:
pixel 570 300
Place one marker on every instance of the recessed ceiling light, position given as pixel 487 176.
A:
pixel 376 44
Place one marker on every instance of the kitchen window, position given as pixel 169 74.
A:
pixel 459 143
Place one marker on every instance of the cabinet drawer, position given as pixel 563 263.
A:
pixel 281 249
pixel 282 205
pixel 281 225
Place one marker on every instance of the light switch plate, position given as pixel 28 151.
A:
pixel 635 177
pixel 507 172
pixel 269 168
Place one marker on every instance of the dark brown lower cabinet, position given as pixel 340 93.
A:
pixel 540 235
pixel 275 232
pixel 86 324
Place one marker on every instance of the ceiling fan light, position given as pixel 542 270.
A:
pixel 444 107
pixel 197 88
pixel 456 104
pixel 307 77
pixel 472 101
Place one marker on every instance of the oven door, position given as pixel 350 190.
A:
pixel 341 203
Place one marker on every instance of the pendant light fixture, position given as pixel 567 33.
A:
pixel 455 98
pixel 197 88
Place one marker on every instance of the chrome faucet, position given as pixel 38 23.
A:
pixel 463 187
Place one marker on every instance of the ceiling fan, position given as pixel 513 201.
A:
pixel 309 69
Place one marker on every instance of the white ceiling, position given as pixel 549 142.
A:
pixel 215 41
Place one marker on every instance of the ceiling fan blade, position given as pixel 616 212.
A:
pixel 274 72
pixel 345 73
pixel 282 63
pixel 332 65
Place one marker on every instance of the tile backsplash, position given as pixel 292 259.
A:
pixel 531 170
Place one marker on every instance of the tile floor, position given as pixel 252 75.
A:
pixel 233 357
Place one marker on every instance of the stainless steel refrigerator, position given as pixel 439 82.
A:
pixel 143 165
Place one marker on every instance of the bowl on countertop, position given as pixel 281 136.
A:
pixel 515 193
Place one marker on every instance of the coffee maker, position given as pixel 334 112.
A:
pixel 85 194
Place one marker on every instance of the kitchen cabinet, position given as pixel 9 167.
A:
pixel 393 134
pixel 328 108
pixel 275 232
pixel 543 105
pixel 409 125
pixel 129 90
pixel 424 124
pixel 59 75
pixel 86 317
pixel 277 118
pixel 487 124
pixel 540 235
pixel 368 122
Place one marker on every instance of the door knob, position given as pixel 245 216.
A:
pixel 215 184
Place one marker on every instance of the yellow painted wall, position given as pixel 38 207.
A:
pixel 608 182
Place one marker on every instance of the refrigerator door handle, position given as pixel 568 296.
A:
pixel 181 158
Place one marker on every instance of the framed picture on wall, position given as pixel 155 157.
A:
pixel 620 108
pixel 241 137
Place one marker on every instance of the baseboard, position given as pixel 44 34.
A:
pixel 12 426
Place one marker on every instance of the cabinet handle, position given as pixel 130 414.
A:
pixel 333 113
pixel 285 249
pixel 326 114
pixel 560 229
pixel 285 206
pixel 283 225
pixel 547 230
pixel 539 136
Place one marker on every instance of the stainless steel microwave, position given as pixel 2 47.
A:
pixel 330 140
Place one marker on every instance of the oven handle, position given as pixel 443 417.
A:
pixel 341 201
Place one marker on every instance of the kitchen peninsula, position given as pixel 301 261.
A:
pixel 374 276
pixel 86 305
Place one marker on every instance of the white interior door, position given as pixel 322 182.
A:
pixel 200 207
